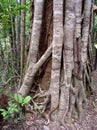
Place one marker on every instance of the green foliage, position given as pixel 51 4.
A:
pixel 18 98
pixel 95 2
pixel 95 19
pixel 21 100
pixel 14 111
pixel 26 100
pixel 4 112
pixel 95 24
pixel 10 17
pixel 20 7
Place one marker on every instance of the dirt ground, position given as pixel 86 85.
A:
pixel 37 122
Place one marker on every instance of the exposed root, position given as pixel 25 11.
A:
pixel 89 88
pixel 82 93
pixel 40 100
pixel 79 107
pixel 53 109
pixel 73 97
pixel 41 107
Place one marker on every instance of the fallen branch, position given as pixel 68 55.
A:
pixel 31 72
pixel 5 83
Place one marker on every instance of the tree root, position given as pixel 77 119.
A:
pixel 73 97
pixel 89 88
pixel 41 106
pixel 53 109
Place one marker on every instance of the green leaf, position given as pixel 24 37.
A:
pixel 18 98
pixel 26 100
pixel 21 7
pixel 16 120
pixel 16 110
pixel 22 116
pixel 4 112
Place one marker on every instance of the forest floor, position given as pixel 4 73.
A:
pixel 38 122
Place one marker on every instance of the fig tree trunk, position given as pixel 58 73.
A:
pixel 60 52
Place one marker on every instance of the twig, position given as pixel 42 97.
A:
pixel 5 83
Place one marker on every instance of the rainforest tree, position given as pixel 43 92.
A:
pixel 53 61
pixel 13 25
pixel 60 52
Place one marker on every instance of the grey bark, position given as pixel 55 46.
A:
pixel 22 39
pixel 32 70
pixel 69 29
pixel 36 30
pixel 17 29
pixel 56 51
pixel 69 62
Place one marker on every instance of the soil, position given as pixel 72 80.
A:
pixel 34 121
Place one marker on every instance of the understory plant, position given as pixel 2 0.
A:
pixel 14 111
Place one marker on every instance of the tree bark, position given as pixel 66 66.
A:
pixel 56 51
pixel 30 74
pixel 34 45
pixel 36 30
pixel 71 52
pixel 17 29
pixel 22 40
pixel 68 61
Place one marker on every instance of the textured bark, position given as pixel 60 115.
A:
pixel 36 30
pixel 17 30
pixel 46 40
pixel 17 44
pixel 22 39
pixel 12 39
pixel 30 32
pixel 69 28
pixel 57 51
pixel 85 30
pixel 77 58
pixel 71 52
pixel 32 70
pixel 34 45
pixel 80 53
